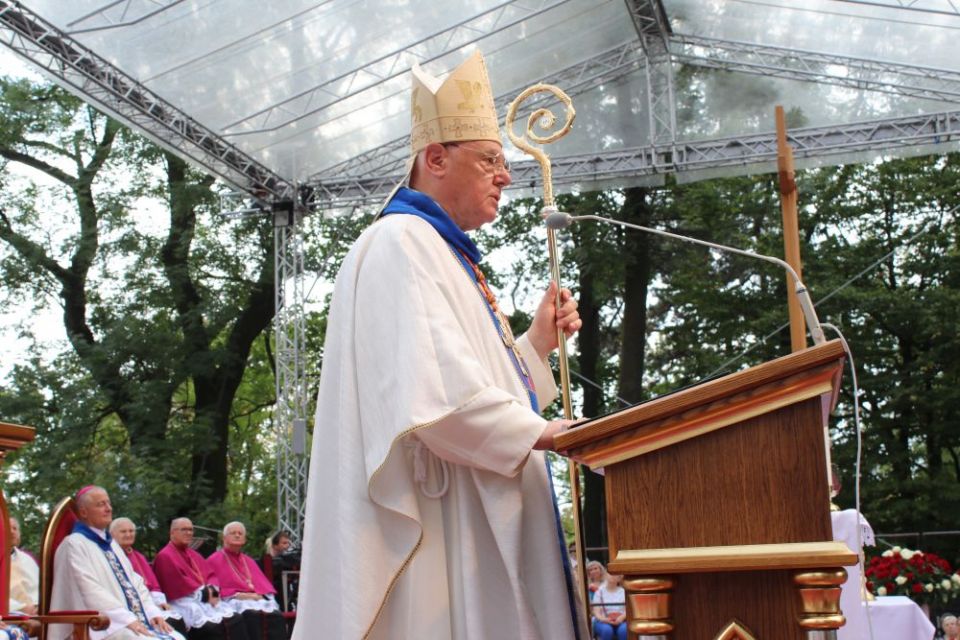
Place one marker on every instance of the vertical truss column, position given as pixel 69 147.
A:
pixel 660 101
pixel 290 418
pixel 653 29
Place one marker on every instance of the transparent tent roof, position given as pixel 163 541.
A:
pixel 316 92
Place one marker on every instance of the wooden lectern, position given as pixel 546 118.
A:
pixel 718 505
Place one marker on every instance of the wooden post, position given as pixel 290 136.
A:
pixel 791 233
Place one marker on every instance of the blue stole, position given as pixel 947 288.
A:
pixel 410 202
pixel 420 205
pixel 130 593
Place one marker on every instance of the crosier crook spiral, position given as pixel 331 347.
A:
pixel 545 120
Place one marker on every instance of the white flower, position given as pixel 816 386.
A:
pixel 929 588
pixel 945 584
pixel 906 554
pixel 901 580
pixel 888 553
pixel 882 591
pixel 955 578
pixel 895 549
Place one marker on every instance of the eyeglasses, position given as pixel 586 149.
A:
pixel 492 163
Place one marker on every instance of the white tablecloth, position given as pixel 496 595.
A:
pixel 890 617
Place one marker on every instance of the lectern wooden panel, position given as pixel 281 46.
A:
pixel 736 462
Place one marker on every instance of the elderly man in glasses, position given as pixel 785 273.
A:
pixel 429 508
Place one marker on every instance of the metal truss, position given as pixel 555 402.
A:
pixel 652 24
pixel 813 66
pixel 937 128
pixel 392 65
pixel 942 7
pixel 290 414
pixel 388 159
pixel 119 13
pixel 653 29
pixel 96 80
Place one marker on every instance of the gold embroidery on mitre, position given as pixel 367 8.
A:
pixel 415 109
pixel 457 109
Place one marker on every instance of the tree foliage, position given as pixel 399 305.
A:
pixel 879 243
pixel 162 302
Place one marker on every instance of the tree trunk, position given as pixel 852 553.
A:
pixel 637 273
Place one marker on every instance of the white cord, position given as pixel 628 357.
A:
pixel 856 482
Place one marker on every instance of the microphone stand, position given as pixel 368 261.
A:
pixel 546 120
pixel 558 220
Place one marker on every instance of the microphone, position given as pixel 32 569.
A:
pixel 560 220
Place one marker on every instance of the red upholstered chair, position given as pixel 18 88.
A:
pixel 37 625
pixel 59 527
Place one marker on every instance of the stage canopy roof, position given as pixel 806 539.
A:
pixel 310 97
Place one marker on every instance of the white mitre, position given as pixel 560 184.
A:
pixel 457 109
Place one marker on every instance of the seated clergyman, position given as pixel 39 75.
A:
pixel 192 587
pixel 243 585
pixel 24 575
pixel 91 572
pixel 124 531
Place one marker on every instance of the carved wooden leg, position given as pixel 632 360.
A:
pixel 648 607
pixel 819 592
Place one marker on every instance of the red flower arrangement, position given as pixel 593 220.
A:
pixel 923 577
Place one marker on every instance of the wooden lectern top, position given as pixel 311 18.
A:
pixel 14 436
pixel 692 412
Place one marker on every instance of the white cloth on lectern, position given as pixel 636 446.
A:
pixel 411 354
pixel 854 608
pixel 890 617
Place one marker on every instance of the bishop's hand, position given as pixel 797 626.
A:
pixel 545 441
pixel 547 319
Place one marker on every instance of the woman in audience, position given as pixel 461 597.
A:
pixel 609 610
pixel 595 573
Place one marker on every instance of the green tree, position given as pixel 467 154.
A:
pixel 160 318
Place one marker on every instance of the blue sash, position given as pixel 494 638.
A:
pixel 130 594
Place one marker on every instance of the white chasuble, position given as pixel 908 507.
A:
pixel 83 580
pixel 428 516
pixel 24 580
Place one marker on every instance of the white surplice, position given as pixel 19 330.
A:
pixel 415 371
pixel 83 580
pixel 24 580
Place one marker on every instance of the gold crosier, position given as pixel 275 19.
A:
pixel 546 120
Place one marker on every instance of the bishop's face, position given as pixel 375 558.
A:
pixel 94 508
pixel 479 175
